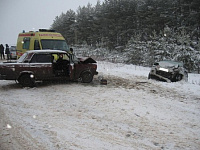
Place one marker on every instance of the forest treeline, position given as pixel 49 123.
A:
pixel 148 30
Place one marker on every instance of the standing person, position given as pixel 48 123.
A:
pixel 71 54
pixel 2 51
pixel 71 50
pixel 7 52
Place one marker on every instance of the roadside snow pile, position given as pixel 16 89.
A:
pixel 131 112
pixel 122 70
pixel 194 78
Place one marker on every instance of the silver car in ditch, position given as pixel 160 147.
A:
pixel 168 71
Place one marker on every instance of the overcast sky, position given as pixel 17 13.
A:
pixel 29 15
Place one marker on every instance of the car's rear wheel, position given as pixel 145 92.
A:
pixel 86 77
pixel 26 80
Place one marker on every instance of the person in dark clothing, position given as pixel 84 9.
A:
pixel 71 50
pixel 60 59
pixel 7 52
pixel 71 54
pixel 62 65
pixel 2 51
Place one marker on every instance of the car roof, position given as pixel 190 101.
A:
pixel 47 51
pixel 167 62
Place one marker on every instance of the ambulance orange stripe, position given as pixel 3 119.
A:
pixel 29 34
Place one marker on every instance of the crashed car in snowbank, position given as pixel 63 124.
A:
pixel 40 65
pixel 169 71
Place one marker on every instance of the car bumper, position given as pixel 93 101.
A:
pixel 159 77
pixel 96 73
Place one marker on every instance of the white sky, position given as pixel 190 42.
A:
pixel 29 15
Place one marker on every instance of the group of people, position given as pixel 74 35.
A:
pixel 7 52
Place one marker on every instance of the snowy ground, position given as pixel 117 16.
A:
pixel 129 113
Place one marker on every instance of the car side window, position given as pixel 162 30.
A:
pixel 56 56
pixel 65 57
pixel 41 58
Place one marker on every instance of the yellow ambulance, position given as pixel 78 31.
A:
pixel 42 39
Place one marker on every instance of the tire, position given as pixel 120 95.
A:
pixel 26 81
pixel 86 77
pixel 178 77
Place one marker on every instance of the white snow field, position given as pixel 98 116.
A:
pixel 130 113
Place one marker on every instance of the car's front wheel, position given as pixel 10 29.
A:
pixel 26 80
pixel 86 77
pixel 178 77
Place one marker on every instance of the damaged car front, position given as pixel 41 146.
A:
pixel 168 71
pixel 48 65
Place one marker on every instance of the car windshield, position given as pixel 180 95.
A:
pixel 169 63
pixel 55 44
pixel 20 60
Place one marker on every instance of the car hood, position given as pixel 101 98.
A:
pixel 86 60
pixel 8 63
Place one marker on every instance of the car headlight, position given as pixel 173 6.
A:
pixel 164 69
pixel 31 76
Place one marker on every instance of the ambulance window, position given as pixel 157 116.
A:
pixel 36 45
pixel 26 43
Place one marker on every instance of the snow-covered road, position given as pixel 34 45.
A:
pixel 129 113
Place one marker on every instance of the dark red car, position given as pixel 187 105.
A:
pixel 40 65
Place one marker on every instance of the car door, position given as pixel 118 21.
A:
pixel 41 65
